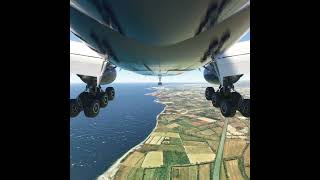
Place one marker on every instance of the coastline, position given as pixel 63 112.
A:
pixel 110 173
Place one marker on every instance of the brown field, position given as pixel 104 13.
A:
pixel 233 170
pixel 153 159
pixel 199 123
pixel 200 158
pixel 204 172
pixel 247 169
pixel 173 125
pixel 122 173
pixel 213 145
pixel 198 149
pixel 207 132
pixel 133 159
pixel 199 154
pixel 222 172
pixel 233 147
pixel 207 119
pixel 246 156
pixel 184 173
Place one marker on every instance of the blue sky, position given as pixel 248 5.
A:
pixel 130 77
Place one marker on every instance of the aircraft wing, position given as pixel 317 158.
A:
pixel 84 61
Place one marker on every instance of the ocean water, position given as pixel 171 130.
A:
pixel 95 143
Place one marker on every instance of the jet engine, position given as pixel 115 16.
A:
pixel 210 74
pixel 108 77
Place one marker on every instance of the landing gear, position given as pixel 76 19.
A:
pixel 228 100
pixel 159 83
pixel 228 109
pixel 110 93
pixel 209 92
pixel 92 108
pixel 74 108
pixel 244 107
pixel 215 99
pixel 91 100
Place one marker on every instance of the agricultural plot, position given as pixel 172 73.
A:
pixel 173 125
pixel 207 132
pixel 165 147
pixel 136 174
pixel 207 119
pixel 175 158
pixel 184 173
pixel 134 159
pixel 153 159
pixel 233 147
pixel 204 172
pixel 247 169
pixel 149 174
pixel 166 134
pixel 233 170
pixel 122 173
pixel 198 149
pixel 200 158
pixel 194 143
pixel 223 175
pixel 246 156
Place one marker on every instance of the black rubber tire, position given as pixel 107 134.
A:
pixel 235 98
pixel 111 93
pixel 227 108
pixel 103 99
pixel 208 93
pixel 215 99
pixel 74 108
pixel 83 99
pixel 245 107
pixel 92 109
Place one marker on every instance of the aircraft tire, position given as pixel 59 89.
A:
pixel 215 99
pixel 103 99
pixel 92 109
pixel 111 93
pixel 227 108
pixel 245 107
pixel 208 93
pixel 74 108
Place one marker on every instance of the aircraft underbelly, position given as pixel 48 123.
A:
pixel 143 58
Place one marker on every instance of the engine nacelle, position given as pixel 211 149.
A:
pixel 210 74
pixel 108 77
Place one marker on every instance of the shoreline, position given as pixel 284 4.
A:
pixel 110 173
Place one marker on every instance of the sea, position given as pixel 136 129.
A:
pixel 96 143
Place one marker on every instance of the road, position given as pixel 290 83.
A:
pixel 217 164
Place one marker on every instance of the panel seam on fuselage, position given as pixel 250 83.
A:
pixel 233 55
pixel 85 55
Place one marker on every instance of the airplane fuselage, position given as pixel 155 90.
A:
pixel 160 39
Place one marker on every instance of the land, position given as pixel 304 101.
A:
pixel 190 141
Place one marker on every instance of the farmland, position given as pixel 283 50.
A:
pixel 185 142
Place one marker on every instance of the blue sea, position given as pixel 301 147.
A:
pixel 95 143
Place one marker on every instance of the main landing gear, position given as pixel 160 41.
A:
pixel 228 100
pixel 91 101
pixel 159 83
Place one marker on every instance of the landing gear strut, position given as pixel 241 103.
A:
pixel 159 83
pixel 228 100
pixel 91 100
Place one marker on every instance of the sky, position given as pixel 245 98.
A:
pixel 124 76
